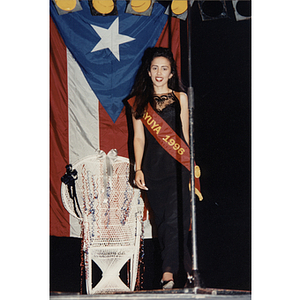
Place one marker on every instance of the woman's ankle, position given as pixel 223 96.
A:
pixel 167 276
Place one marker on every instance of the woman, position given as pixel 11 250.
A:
pixel 165 180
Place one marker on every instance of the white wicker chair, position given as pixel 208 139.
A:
pixel 112 213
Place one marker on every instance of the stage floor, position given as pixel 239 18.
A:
pixel 211 294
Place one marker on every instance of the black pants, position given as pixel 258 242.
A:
pixel 170 201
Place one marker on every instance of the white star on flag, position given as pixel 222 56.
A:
pixel 111 39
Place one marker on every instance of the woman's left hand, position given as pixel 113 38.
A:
pixel 139 180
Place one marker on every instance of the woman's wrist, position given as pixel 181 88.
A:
pixel 138 170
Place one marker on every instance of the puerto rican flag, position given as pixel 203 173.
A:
pixel 93 62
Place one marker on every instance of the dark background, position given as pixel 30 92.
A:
pixel 221 69
pixel 221 77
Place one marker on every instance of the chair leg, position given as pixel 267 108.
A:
pixel 88 275
pixel 110 268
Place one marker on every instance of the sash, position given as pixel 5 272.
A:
pixel 169 140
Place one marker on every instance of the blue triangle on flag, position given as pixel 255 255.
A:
pixel 109 49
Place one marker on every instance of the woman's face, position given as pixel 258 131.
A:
pixel 160 71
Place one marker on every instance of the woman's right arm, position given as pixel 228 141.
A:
pixel 138 145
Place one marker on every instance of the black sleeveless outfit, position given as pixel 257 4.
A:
pixel 168 194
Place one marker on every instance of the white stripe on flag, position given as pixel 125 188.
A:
pixel 83 122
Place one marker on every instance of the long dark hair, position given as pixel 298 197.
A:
pixel 143 86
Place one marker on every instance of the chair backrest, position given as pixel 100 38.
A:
pixel 110 205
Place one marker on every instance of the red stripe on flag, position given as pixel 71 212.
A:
pixel 59 138
pixel 163 41
pixel 113 135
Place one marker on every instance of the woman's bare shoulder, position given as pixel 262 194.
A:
pixel 182 97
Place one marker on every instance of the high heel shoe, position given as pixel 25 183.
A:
pixel 167 285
